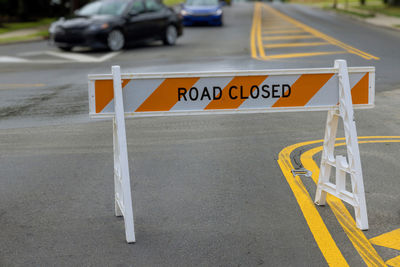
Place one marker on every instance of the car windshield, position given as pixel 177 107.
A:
pixel 103 8
pixel 202 2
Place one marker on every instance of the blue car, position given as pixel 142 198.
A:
pixel 202 11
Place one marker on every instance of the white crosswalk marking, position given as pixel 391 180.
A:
pixel 6 59
pixel 59 57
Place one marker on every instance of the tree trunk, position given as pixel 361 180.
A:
pixel 74 5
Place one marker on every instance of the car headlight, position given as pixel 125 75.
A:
pixel 184 12
pixel 96 27
pixel 52 28
pixel 218 12
pixel 55 26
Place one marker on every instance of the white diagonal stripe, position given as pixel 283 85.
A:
pixel 201 84
pixel 137 91
pixel 355 78
pixel 329 93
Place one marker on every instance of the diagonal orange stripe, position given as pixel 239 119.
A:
pixel 241 92
pixel 359 93
pixel 104 92
pixel 303 90
pixel 166 95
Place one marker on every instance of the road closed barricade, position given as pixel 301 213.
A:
pixel 337 90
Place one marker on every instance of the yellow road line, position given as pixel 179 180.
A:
pixel 322 236
pixel 295 44
pixel 294 55
pixel 388 240
pixel 394 262
pixel 356 236
pixel 281 27
pixel 282 31
pixel 257 46
pixel 274 22
pixel 288 37
pixel 259 40
pixel 279 24
pixel 319 34
pixel 253 34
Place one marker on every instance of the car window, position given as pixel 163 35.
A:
pixel 202 2
pixel 103 8
pixel 153 5
pixel 90 9
pixel 112 8
pixel 137 6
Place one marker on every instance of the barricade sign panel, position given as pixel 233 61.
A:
pixel 245 91
pixel 337 90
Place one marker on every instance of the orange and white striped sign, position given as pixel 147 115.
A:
pixel 228 92
pixel 115 95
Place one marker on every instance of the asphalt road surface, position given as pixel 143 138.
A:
pixel 207 190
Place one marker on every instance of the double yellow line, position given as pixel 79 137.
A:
pixel 256 37
pixel 321 234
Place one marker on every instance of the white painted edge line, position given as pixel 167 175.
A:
pixel 82 58
pixel 109 56
pixel 7 59
pixel 31 53
pixel 70 57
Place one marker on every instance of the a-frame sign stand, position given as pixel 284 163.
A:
pixel 103 104
pixel 122 186
pixel 352 165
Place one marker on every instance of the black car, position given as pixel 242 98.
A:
pixel 112 24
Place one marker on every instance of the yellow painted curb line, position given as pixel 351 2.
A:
pixel 321 234
pixel 318 228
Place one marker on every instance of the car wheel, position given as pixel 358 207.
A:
pixel 115 40
pixel 65 48
pixel 171 34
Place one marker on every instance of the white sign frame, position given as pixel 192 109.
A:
pixel 352 70
pixel 356 198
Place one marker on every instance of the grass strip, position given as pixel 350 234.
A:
pixel 14 26
pixel 37 36
pixel 351 12
pixel 372 7
pixel 383 9
pixel 173 2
